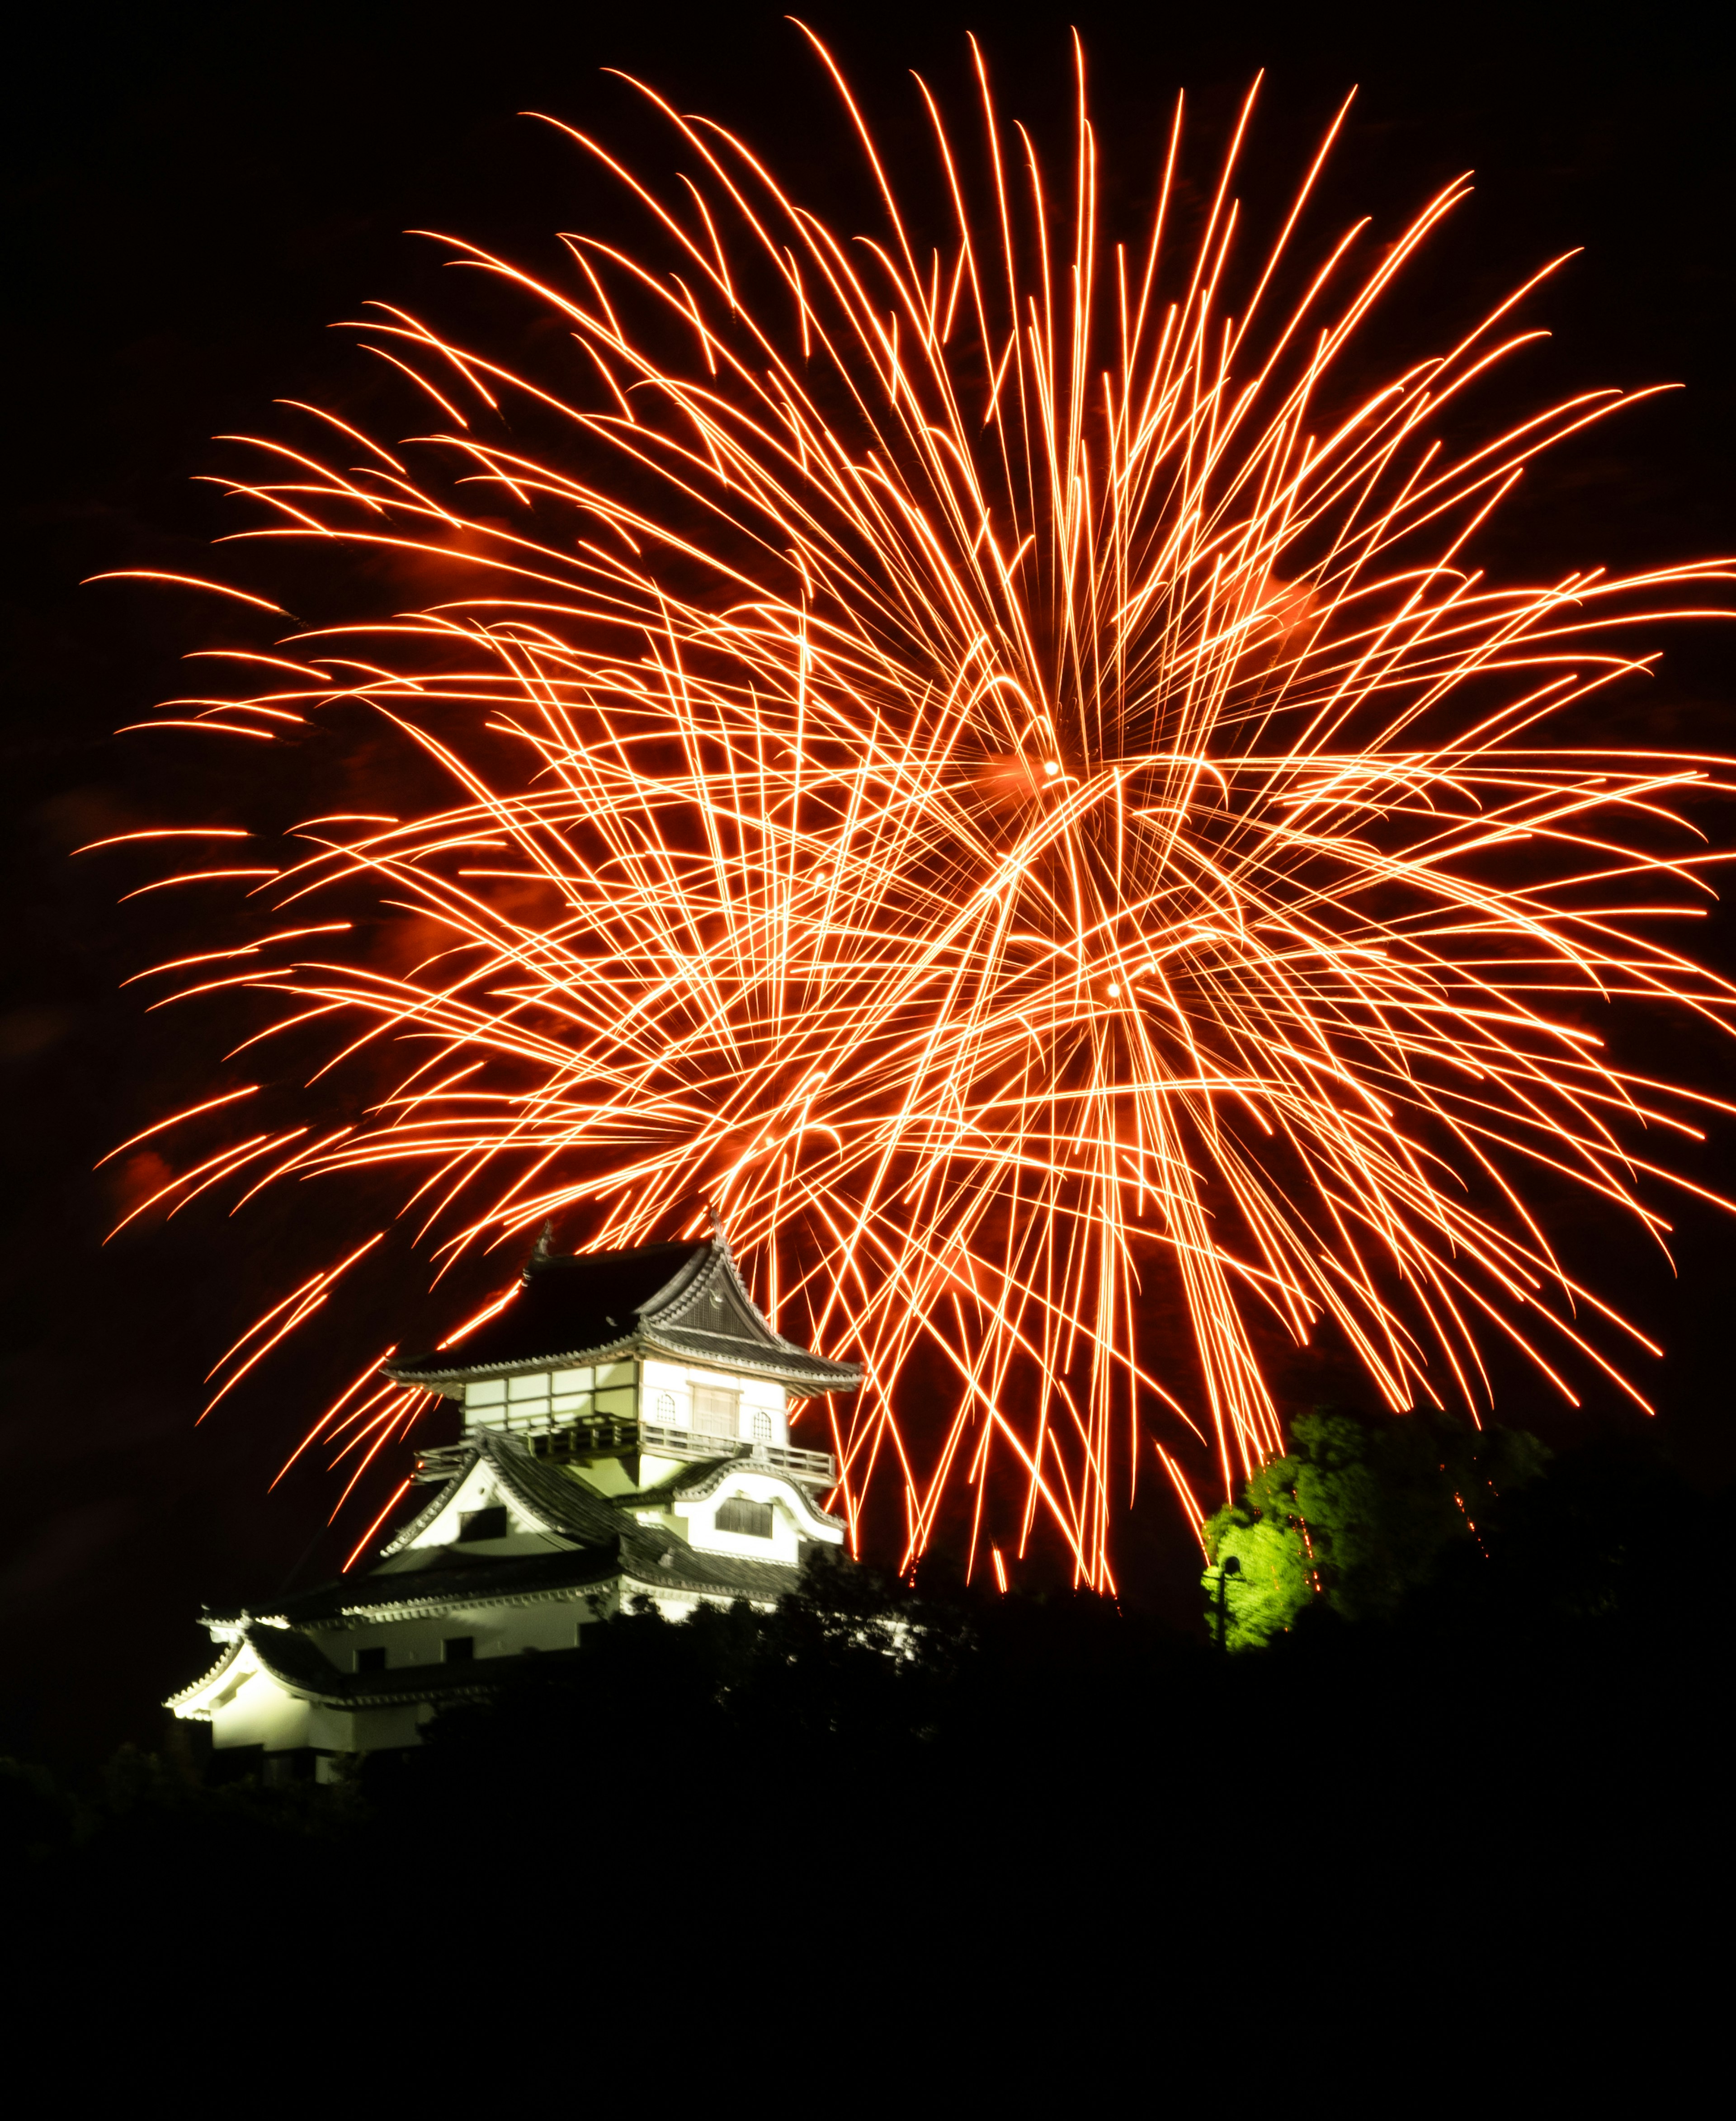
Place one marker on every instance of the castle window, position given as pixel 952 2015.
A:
pixel 371 1660
pixel 489 1523
pixel 457 1649
pixel 714 1411
pixel 762 1428
pixel 739 1514
pixel 665 1409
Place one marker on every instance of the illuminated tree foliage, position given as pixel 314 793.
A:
pixel 1357 1515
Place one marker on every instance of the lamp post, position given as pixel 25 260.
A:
pixel 1229 1566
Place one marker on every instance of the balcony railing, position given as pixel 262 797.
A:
pixel 600 1436
pixel 814 1467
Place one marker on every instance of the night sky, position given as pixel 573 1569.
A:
pixel 195 195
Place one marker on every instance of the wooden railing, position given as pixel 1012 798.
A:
pixel 596 1435
pixel 814 1468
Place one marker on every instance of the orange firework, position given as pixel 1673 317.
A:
pixel 976 753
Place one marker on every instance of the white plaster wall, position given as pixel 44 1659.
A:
pixel 375 1729
pixel 758 1396
pixel 624 1388
pixel 260 1712
pixel 332 1730
pixel 607 1476
pixel 528 1401
pixel 251 1708
pixel 476 1491
pixel 654 1468
pixel 499 1631
pixel 792 1520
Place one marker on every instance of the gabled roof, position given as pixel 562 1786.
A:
pixel 692 1484
pixel 549 1497
pixel 226 1657
pixel 599 1541
pixel 301 1667
pixel 685 1301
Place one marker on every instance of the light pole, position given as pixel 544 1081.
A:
pixel 1229 1567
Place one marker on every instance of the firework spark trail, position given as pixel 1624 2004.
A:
pixel 1022 792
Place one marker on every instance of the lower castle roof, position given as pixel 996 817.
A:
pixel 655 1559
pixel 599 1544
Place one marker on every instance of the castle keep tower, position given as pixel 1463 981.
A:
pixel 626 1432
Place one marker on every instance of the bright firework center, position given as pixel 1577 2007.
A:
pixel 626 1434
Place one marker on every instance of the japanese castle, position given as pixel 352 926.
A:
pixel 626 1435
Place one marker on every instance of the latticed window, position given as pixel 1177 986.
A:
pixel 739 1514
pixel 714 1411
pixel 762 1428
pixel 664 1409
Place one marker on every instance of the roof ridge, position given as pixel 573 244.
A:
pixel 541 1488
pixel 578 1309
pixel 470 1451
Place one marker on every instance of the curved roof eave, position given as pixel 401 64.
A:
pixel 421 1372
pixel 787 1360
pixel 797 1367
pixel 699 1482
pixel 658 1323
pixel 180 1702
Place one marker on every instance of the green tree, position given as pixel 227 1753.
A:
pixel 1274 1582
pixel 1357 1514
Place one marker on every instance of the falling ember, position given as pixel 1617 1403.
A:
pixel 975 753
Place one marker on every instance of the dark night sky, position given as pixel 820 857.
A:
pixel 195 193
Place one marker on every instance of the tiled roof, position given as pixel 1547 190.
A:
pixel 607 1546
pixel 730 1351
pixel 563 1504
pixel 461 1580
pixel 639 1554
pixel 300 1664
pixel 687 1569
pixel 564 1304
pixel 542 1492
pixel 694 1483
pixel 687 1299
pixel 684 1481
pixel 606 1542
pixel 231 1652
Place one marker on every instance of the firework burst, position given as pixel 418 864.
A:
pixel 977 755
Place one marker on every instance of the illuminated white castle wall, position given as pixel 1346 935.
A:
pixel 626 1433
